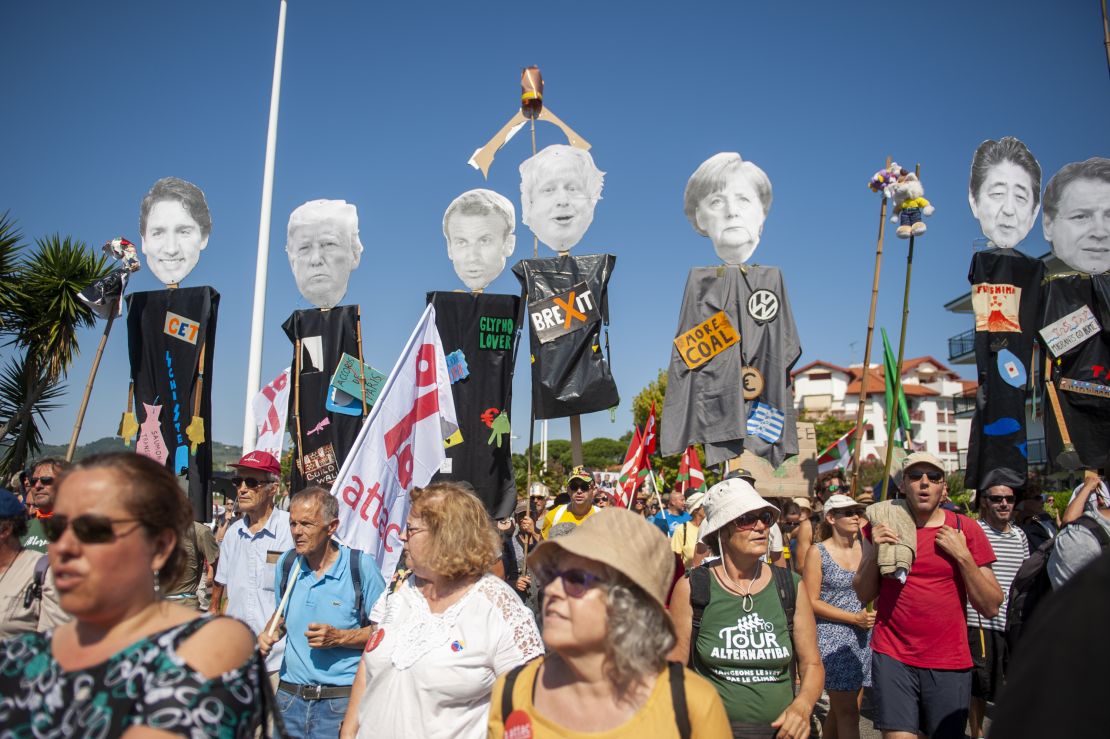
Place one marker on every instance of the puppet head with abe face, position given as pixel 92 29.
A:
pixel 1004 190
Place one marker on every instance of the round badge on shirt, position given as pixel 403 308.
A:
pixel 518 726
pixel 375 640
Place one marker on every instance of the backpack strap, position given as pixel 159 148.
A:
pixel 507 692
pixel 1095 528
pixel 699 599
pixel 788 597
pixel 286 568
pixel 677 679
pixel 356 580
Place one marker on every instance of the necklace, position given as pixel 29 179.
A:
pixel 746 600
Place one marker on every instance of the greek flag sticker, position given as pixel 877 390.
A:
pixel 766 422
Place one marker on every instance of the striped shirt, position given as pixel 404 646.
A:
pixel 1011 548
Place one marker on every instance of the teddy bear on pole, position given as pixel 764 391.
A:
pixel 909 205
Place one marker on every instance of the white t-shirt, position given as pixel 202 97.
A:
pixel 430 675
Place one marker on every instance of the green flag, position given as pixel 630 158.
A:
pixel 892 376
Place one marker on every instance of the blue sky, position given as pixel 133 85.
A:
pixel 383 103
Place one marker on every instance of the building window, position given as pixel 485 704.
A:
pixel 816 376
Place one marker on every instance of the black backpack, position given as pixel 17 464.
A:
pixel 1031 584
pixel 356 580
pixel 783 581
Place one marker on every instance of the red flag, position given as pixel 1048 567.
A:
pixel 629 478
pixel 689 471
pixel 649 432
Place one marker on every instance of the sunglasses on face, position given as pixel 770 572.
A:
pixel 1000 499
pixel 601 499
pixel 841 512
pixel 577 487
pixel 88 528
pixel 575 581
pixel 250 482
pixel 45 480
pixel 933 475
pixel 832 488
pixel 749 520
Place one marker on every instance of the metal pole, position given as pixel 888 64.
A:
pixel 254 366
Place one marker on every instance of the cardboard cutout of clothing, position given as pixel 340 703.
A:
pixel 325 438
pixel 706 404
pixel 1005 295
pixel 1075 328
pixel 566 303
pixel 166 333
pixel 481 330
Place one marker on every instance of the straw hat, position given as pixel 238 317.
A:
pixel 624 541
pixel 728 500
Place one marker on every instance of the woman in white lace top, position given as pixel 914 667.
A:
pixel 446 633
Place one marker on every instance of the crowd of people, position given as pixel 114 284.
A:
pixel 718 613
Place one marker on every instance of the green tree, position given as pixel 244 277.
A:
pixel 41 321
pixel 655 391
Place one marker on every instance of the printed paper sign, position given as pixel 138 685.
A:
pixel 996 307
pixel 181 327
pixel 706 340
pixel 562 314
pixel 320 466
pixel 457 368
pixel 346 378
pixel 1070 331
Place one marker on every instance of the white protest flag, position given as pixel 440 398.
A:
pixel 269 407
pixel 399 447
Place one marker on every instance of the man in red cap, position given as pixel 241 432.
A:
pixel 251 548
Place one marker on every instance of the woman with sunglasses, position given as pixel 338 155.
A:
pixel 446 633
pixel 129 658
pixel 843 624
pixel 746 644
pixel 607 634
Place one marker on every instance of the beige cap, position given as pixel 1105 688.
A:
pixel 803 503
pixel 624 541
pixel 728 500
pixel 840 501
pixel 695 501
pixel 922 458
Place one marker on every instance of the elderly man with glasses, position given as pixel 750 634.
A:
pixel 251 547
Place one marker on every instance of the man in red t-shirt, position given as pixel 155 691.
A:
pixel 921 664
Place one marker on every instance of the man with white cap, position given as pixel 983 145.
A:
pixel 921 664
pixel 745 625
pixel 684 540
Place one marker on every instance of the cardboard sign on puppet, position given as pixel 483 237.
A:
pixel 323 249
pixel 708 401
pixel 1077 215
pixel 171 340
pixel 1004 195
pixel 560 187
pixel 478 226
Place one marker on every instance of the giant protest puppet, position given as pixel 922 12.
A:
pixel 567 296
pixel 1004 192
pixel 328 374
pixel 1075 316
pixel 479 332
pixel 728 384
pixel 171 337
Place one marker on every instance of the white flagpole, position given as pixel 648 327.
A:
pixel 254 367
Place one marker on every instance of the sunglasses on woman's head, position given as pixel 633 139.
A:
pixel 749 520
pixel 88 528
pixel 933 475
pixel 575 581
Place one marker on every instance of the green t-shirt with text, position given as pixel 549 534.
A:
pixel 35 538
pixel 746 655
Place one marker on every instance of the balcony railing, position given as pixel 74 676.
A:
pixel 961 344
pixel 964 404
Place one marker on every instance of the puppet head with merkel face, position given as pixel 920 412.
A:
pixel 559 188
pixel 727 199
pixel 478 226
pixel 1077 215
pixel 174 225
pixel 1005 190
pixel 323 249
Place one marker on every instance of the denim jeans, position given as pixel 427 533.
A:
pixel 305 719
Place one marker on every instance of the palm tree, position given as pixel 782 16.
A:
pixel 41 320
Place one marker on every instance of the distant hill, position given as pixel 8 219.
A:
pixel 222 454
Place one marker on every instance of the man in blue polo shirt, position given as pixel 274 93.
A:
pixel 326 621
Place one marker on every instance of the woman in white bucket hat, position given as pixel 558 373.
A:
pixel 733 622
